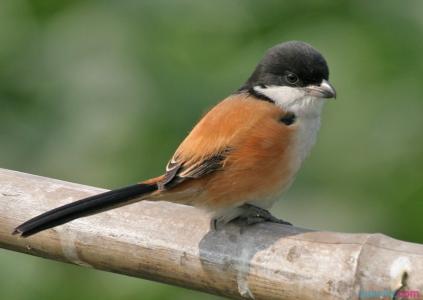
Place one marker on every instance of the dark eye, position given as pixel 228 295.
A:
pixel 291 78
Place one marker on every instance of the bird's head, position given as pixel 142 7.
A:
pixel 294 76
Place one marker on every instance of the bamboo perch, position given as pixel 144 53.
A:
pixel 172 243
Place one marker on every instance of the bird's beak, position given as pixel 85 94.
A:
pixel 324 90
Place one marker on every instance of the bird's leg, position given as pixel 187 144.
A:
pixel 216 224
pixel 219 221
pixel 253 214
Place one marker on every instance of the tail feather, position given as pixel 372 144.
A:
pixel 84 207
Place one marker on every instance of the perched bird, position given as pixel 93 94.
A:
pixel 242 155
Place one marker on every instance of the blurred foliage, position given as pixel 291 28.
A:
pixel 101 93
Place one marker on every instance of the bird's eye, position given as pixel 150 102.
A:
pixel 291 78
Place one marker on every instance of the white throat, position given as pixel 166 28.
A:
pixel 293 99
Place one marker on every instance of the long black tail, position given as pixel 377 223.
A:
pixel 84 207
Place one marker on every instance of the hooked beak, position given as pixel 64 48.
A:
pixel 324 90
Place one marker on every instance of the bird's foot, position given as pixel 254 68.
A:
pixel 253 214
pixel 219 222
pixel 247 214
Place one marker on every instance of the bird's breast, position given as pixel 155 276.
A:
pixel 289 154
pixel 303 139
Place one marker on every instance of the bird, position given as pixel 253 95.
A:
pixel 241 156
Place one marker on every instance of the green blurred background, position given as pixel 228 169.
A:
pixel 101 93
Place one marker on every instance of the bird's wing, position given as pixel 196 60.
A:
pixel 206 148
pixel 237 152
pixel 178 170
pixel 230 127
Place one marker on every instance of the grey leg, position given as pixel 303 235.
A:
pixel 218 222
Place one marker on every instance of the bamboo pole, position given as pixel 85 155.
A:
pixel 173 243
